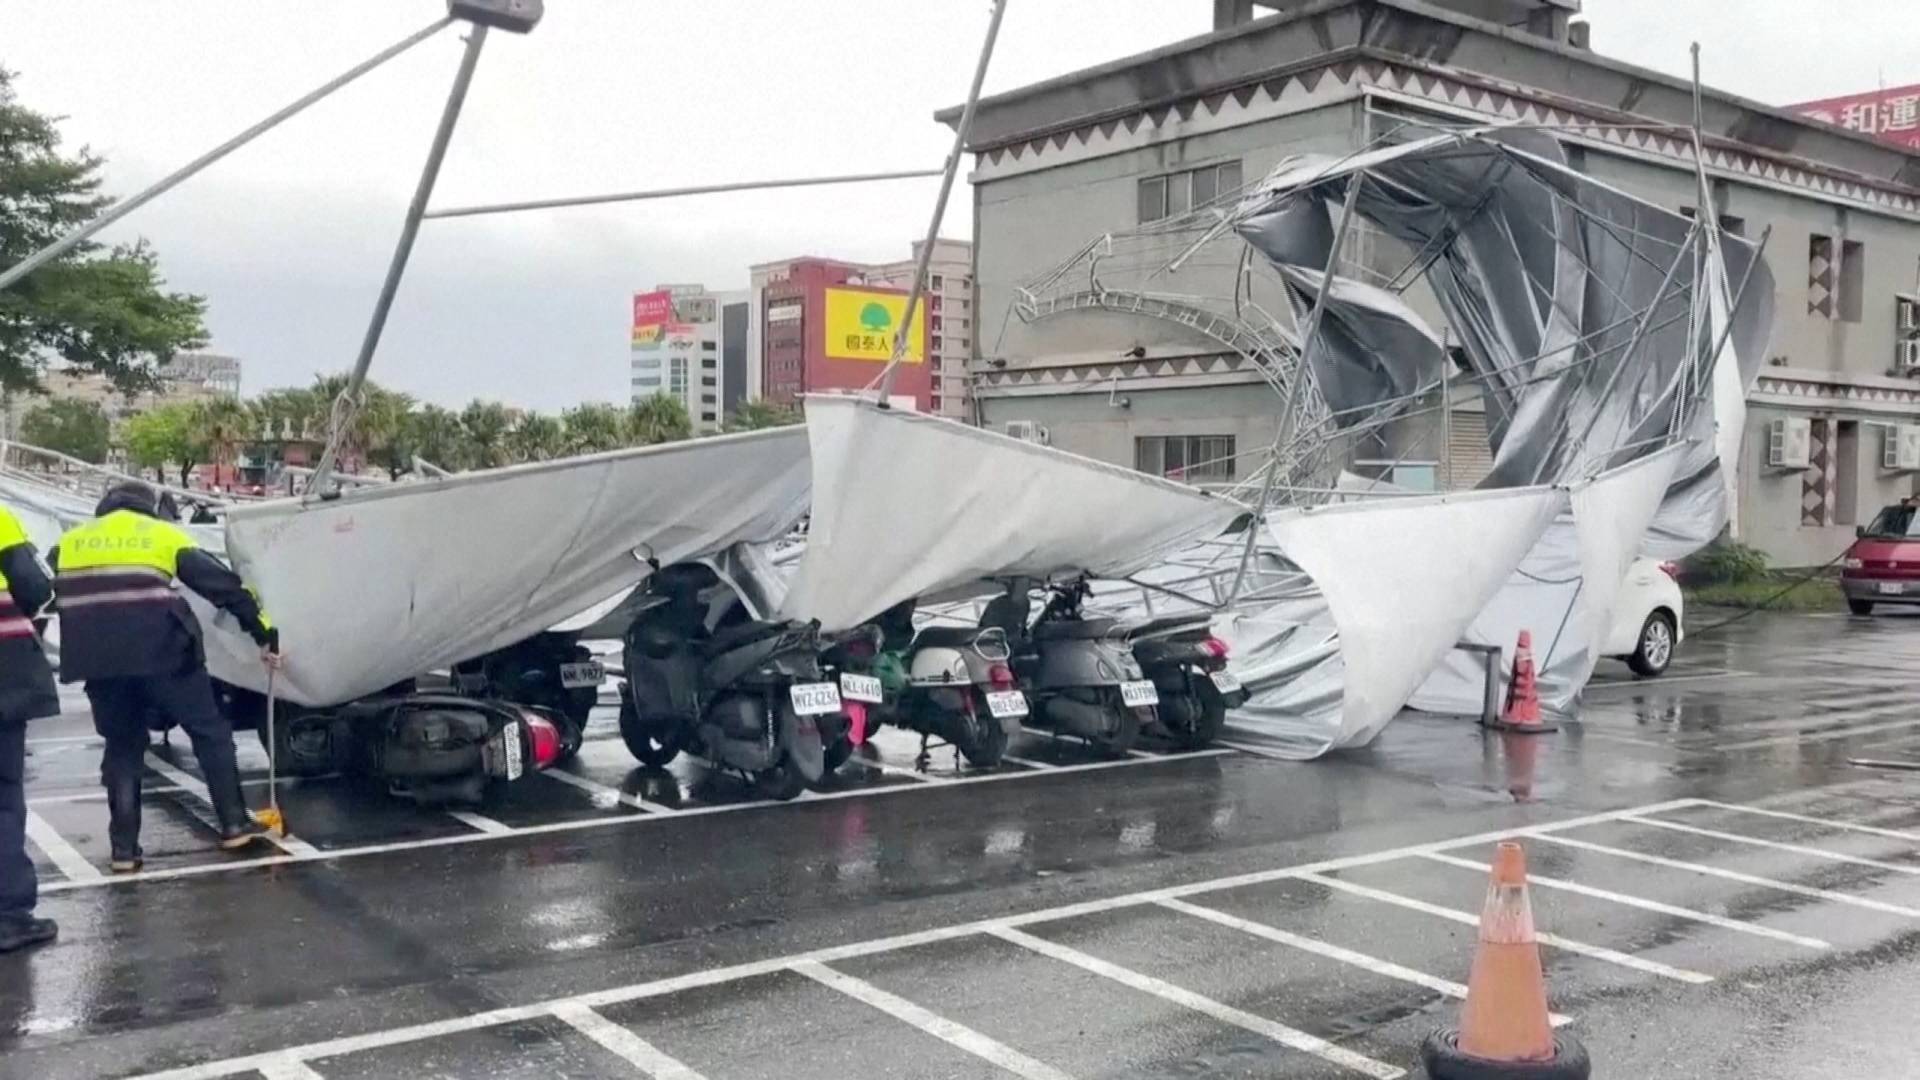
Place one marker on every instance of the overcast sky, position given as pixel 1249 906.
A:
pixel 289 237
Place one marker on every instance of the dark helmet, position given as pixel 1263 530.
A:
pixel 129 495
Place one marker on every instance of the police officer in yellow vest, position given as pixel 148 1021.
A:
pixel 26 693
pixel 127 632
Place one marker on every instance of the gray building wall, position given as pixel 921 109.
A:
pixel 1094 425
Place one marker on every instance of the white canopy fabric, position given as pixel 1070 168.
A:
pixel 907 505
pixel 1402 581
pixel 1563 592
pixel 384 584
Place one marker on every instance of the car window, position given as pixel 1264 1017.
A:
pixel 1896 523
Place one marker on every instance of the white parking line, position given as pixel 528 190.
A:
pixel 1166 991
pixel 195 787
pixel 947 1031
pixel 1818 736
pixel 331 854
pixel 1642 903
pixel 171 789
pixel 1754 841
pixel 1829 823
pixel 64 856
pixel 480 821
pixel 716 976
pixel 288 1068
pixel 605 794
pixel 635 1050
pixel 1665 680
pixel 1730 875
pixel 1611 956
pixel 898 770
pixel 1038 766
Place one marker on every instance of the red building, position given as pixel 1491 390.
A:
pixel 823 328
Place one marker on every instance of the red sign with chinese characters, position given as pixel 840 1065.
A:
pixel 1890 115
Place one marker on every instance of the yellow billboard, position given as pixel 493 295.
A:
pixel 860 325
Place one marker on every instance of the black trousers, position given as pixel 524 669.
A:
pixel 120 708
pixel 19 888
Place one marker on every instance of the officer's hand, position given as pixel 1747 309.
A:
pixel 273 657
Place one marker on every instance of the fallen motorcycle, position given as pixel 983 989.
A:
pixel 747 695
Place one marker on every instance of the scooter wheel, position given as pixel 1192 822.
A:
pixel 1127 722
pixel 983 741
pixel 780 783
pixel 1206 726
pixel 836 755
pixel 652 742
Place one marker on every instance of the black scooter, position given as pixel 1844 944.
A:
pixel 748 695
pixel 1188 666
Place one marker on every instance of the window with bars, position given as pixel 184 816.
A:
pixel 1193 458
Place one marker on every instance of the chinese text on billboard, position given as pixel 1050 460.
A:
pixel 1891 115
pixel 860 325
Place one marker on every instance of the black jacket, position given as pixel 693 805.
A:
pixel 135 639
pixel 26 680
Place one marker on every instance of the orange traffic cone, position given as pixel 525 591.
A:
pixel 1505 1026
pixel 1522 711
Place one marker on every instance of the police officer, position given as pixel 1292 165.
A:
pixel 26 693
pixel 126 631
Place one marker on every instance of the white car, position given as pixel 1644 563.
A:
pixel 1647 617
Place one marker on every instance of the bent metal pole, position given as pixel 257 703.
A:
pixel 884 381
pixel 127 206
pixel 348 402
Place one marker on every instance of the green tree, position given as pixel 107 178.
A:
pixel 288 414
pixel 594 427
pixel 755 415
pixel 72 427
pixel 216 431
pixel 658 418
pixel 102 310
pixel 438 437
pixel 486 424
pixel 161 436
pixel 536 438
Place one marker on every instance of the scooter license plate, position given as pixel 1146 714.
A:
pixel 578 676
pixel 507 750
pixel 1139 693
pixel 1224 682
pixel 860 688
pixel 1005 703
pixel 815 699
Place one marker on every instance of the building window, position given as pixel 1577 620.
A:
pixel 965 342
pixel 937 282
pixel 709 346
pixel 708 417
pixel 1176 193
pixel 933 303
pixel 936 322
pixel 1193 458
pixel 708 380
pixel 1853 280
pixel 1836 278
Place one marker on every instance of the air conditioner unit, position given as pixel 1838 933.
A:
pixel 1908 359
pixel 1900 448
pixel 1028 431
pixel 1909 315
pixel 1789 443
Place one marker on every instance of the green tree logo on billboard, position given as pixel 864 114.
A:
pixel 875 318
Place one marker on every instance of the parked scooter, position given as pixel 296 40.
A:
pixel 551 671
pixel 747 695
pixel 1188 667
pixel 1079 670
pixel 951 683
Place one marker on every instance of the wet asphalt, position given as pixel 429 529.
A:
pixel 1165 915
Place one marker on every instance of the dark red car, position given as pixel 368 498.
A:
pixel 1883 565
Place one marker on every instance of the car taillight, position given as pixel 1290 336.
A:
pixel 543 740
pixel 1217 647
pixel 1671 569
pixel 1001 676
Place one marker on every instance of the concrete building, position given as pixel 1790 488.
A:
pixel 950 320
pixel 214 371
pixel 1060 163
pixel 62 384
pixel 824 325
pixel 677 342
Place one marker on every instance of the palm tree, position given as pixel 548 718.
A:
pixel 755 415
pixel 536 438
pixel 658 419
pixel 594 427
pixel 217 429
pixel 487 424
pixel 438 436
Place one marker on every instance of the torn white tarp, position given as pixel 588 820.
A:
pixel 1563 593
pixel 907 505
pixel 1401 579
pixel 385 584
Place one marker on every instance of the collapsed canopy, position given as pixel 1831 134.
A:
pixel 908 506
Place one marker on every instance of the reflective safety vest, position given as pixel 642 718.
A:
pixel 13 621
pixel 122 558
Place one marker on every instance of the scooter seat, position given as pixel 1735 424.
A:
pixel 1198 622
pixel 734 637
pixel 946 637
pixel 1074 629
